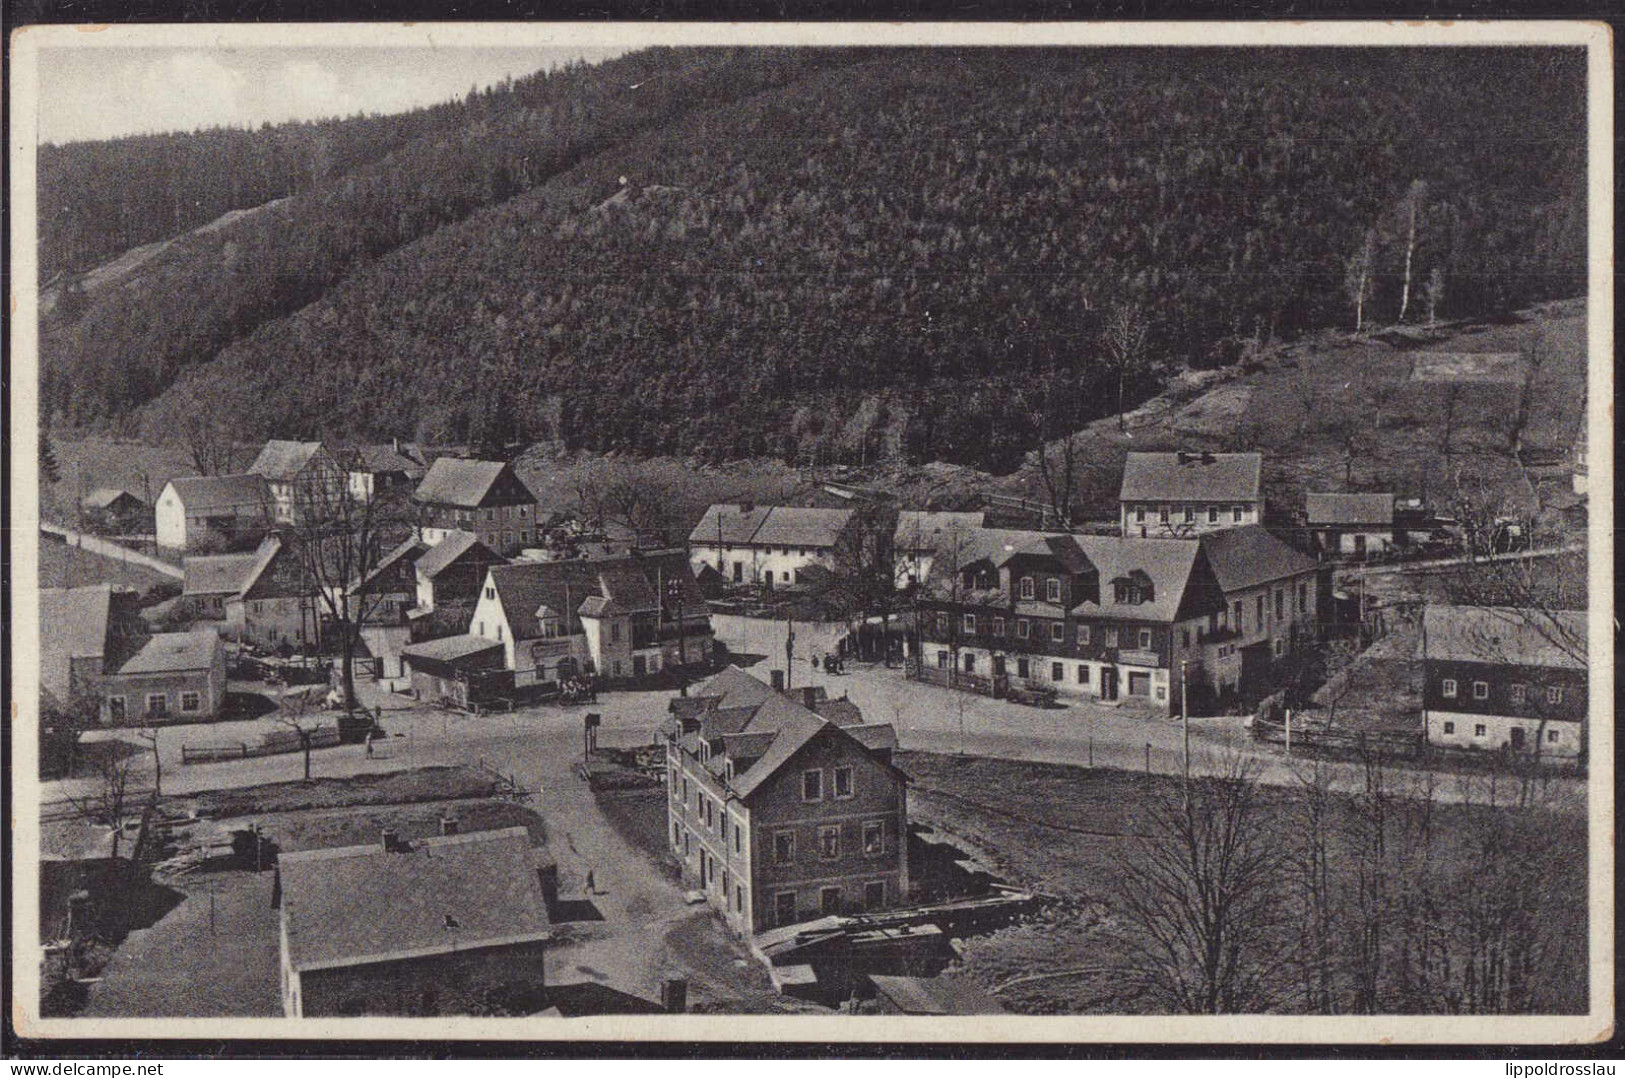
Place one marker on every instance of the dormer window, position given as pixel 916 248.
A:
pixel 1027 587
pixel 1052 590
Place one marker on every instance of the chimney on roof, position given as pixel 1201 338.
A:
pixel 778 680
pixel 392 841
pixel 448 824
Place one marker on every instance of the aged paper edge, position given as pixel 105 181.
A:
pixel 25 46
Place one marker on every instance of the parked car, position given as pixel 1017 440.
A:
pixel 1026 692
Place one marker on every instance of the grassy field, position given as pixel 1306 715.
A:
pixel 388 788
pixel 1070 833
pixel 62 566
pixel 89 463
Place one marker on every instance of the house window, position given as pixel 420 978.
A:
pixel 1057 632
pixel 115 708
pixel 874 838
pixel 1162 514
pixel 970 662
pixel 1027 587
pixel 998 626
pixel 1212 514
pixel 1052 590
pixel 1481 690
pixel 685 789
pixel 1280 646
pixel 190 701
pixel 1235 514
pixel 784 847
pixel 615 632
pixel 490 593
pixel 1303 598
pixel 1111 638
pixel 499 632
pixel 970 624
pixel 1449 727
pixel 812 785
pixel 1139 515
pixel 1055 672
pixel 843 783
pixel 1280 604
pixel 1448 687
pixel 1237 612
pixel 1554 694
pixel 1184 638
pixel 1258 614
pixel 942 624
pixel 1190 514
pixel 829 843
pixel 1478 730
pixel 942 660
pixel 1145 639
pixel 1022 628
pixel 676 834
pixel 737 847
pixel 739 899
pixel 1083 634
pixel 157 704
pixel 1551 737
pixel 1519 694
pixel 874 895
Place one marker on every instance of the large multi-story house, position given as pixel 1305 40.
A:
pixel 782 807
pixel 373 470
pixel 198 511
pixel 921 534
pixel 302 478
pixel 1117 619
pixel 277 605
pixel 1186 494
pixel 619 618
pixel 768 545
pixel 1502 678
pixel 485 497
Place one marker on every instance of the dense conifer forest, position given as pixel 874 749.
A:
pixel 842 253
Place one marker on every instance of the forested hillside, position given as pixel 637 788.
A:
pixel 868 252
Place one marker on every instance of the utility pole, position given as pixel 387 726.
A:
pixel 789 650
pixel 676 588
pixel 1185 714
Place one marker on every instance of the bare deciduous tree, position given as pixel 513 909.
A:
pixel 1433 294
pixel 1202 901
pixel 110 793
pixel 1359 275
pixel 1410 215
pixel 1125 334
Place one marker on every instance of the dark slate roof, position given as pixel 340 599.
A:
pixel 1166 477
pixel 458 482
pixel 73 625
pixel 282 461
pixel 771 525
pixel 201 493
pixel 632 582
pixel 383 458
pixel 1249 556
pixel 1168 562
pixel 409 550
pixel 1063 548
pixel 445 553
pixel 217 574
pixel 842 712
pixel 105 497
pixel 874 735
pixel 363 904
pixel 734 524
pixel 1349 508
pixel 174 652
pixel 267 553
pixel 935 995
pixel 450 648
pixel 1502 635
pixel 732 687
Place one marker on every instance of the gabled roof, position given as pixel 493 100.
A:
pixel 363 904
pixel 1169 563
pixel 874 735
pixel 409 551
pixel 842 712
pixel 730 524
pixel 105 497
pixel 448 649
pixel 463 483
pixel 1249 556
pixel 445 553
pixel 217 574
pixel 1503 635
pixel 73 625
pixel 281 461
pixel 732 687
pixel 923 530
pixel 382 458
pixel 1192 477
pixel 1062 548
pixel 175 652
pixel 1349 508
pixel 202 493
pixel 632 582
pixel 992 545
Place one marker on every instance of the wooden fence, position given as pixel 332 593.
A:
pixel 274 743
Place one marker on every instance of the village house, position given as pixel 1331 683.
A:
pixel 779 813
pixel 1095 616
pixel 618 618
pixel 211 581
pixel 173 678
pixel 448 578
pixel 484 497
pixel 1357 525
pixel 278 606
pixel 920 534
pixel 212 510
pixel 85 633
pixel 116 510
pixel 394 469
pixel 1187 494
pixel 767 544
pixel 420 927
pixel 1501 678
pixel 383 602
pixel 298 475
pixel 1273 597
